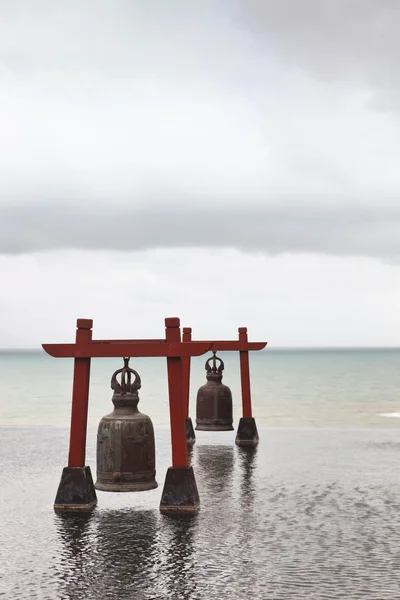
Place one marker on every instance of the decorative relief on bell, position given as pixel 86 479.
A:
pixel 125 440
pixel 214 410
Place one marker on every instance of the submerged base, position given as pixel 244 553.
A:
pixel 247 434
pixel 180 494
pixel 129 486
pixel 204 426
pixel 76 491
pixel 190 434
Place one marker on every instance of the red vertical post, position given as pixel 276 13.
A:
pixel 80 398
pixel 245 375
pixel 176 407
pixel 186 337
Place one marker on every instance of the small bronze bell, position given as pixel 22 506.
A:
pixel 125 440
pixel 214 400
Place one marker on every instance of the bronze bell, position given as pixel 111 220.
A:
pixel 125 440
pixel 214 400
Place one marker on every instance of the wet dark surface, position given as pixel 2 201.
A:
pixel 310 514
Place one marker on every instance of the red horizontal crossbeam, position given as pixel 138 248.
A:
pixel 144 341
pixel 236 345
pixel 105 349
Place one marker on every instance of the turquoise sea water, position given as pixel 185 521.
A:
pixel 312 513
pixel 308 388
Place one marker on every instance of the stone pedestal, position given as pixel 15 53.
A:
pixel 76 493
pixel 247 434
pixel 180 494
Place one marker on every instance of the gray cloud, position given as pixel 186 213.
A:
pixel 43 227
pixel 354 42
pixel 221 109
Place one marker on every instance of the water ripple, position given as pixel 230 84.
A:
pixel 305 516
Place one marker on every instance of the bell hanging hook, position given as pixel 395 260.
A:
pixel 214 369
pixel 126 385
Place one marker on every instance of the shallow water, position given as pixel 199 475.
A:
pixel 310 514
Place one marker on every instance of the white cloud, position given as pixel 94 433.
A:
pixel 300 300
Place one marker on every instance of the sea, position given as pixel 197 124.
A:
pixel 312 513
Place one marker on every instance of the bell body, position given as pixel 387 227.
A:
pixel 214 406
pixel 125 450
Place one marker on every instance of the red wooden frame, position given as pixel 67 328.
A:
pixel 176 349
pixel 85 348
pixel 243 346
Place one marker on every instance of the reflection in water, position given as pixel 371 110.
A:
pixel 125 541
pixel 110 555
pixel 248 464
pixel 247 572
pixel 215 467
pixel 180 571
pixel 74 531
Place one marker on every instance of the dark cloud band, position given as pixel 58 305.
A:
pixel 46 227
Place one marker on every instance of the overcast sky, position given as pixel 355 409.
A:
pixel 229 162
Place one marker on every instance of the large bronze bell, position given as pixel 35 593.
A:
pixel 214 400
pixel 125 440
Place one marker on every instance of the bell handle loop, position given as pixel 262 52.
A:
pixel 126 384
pixel 214 359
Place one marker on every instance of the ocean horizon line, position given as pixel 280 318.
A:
pixel 269 349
